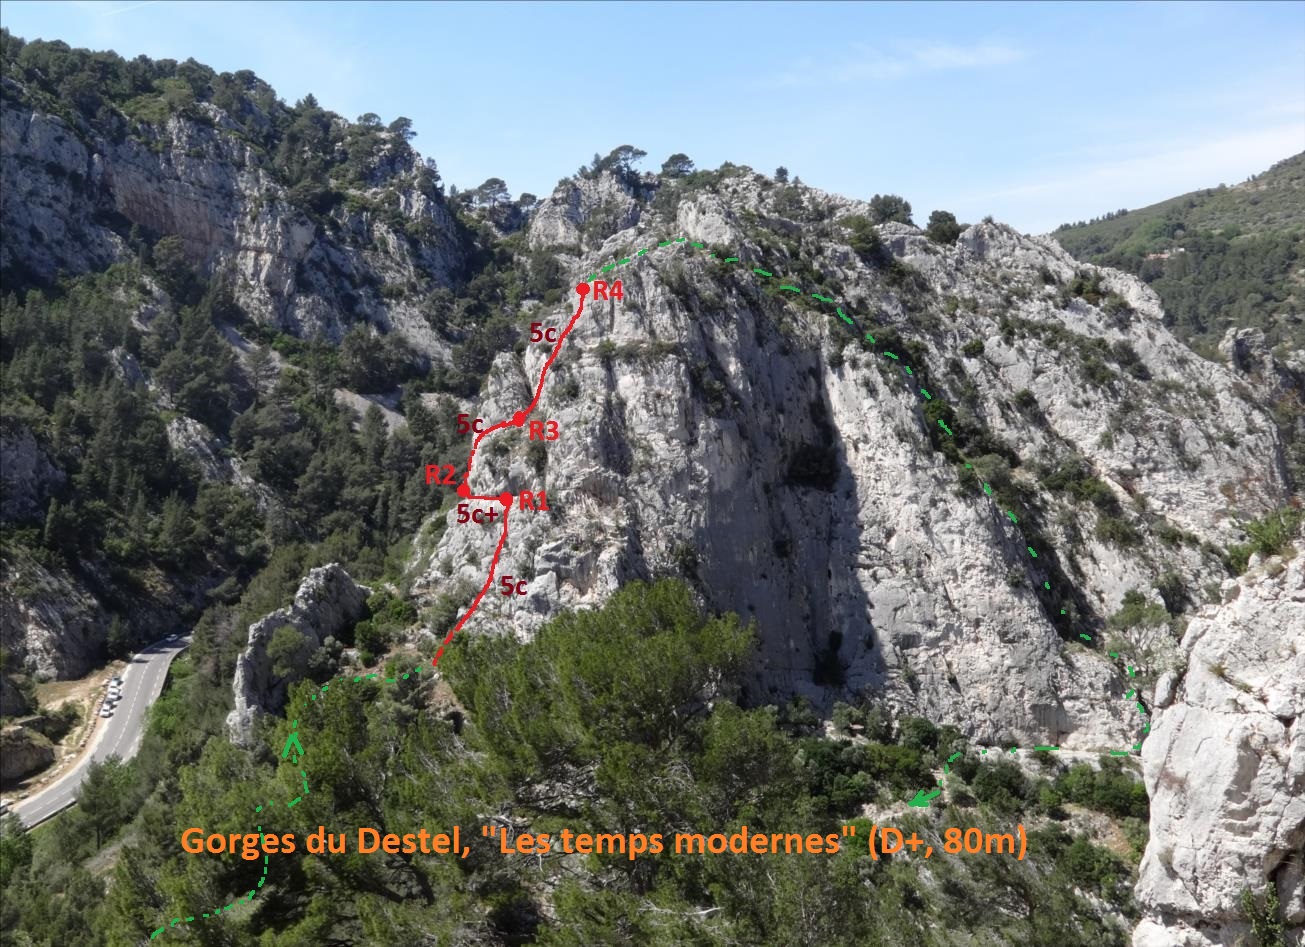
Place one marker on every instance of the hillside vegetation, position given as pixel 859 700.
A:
pixel 1218 258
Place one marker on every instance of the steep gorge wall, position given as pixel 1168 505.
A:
pixel 684 407
pixel 72 195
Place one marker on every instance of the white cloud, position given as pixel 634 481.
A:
pixel 867 63
pixel 974 57
pixel 1137 180
pixel 135 6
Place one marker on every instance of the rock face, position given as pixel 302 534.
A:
pixel 27 477
pixel 1225 767
pixel 13 702
pixel 710 428
pixel 1277 380
pixel 192 439
pixel 74 194
pixel 23 752
pixel 327 602
pixel 52 626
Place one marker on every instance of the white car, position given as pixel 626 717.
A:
pixel 106 712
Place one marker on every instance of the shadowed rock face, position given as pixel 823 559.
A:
pixel 1225 766
pixel 328 601
pixel 27 477
pixel 23 752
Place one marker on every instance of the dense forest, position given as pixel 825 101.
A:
pixel 624 719
pixel 134 514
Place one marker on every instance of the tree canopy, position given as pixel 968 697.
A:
pixel 889 207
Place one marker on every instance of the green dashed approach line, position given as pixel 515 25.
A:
pixel 294 736
pixel 869 337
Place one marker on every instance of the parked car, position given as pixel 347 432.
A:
pixel 106 712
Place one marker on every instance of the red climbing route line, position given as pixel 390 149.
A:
pixel 519 419
pixel 464 489
pixel 489 580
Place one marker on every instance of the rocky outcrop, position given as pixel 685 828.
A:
pixel 13 701
pixel 361 404
pixel 328 601
pixel 27 476
pixel 51 626
pixel 44 171
pixel 1278 380
pixel 194 440
pixel 1225 766
pixel 584 211
pixel 23 752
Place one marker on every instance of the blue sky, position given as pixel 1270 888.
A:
pixel 1033 113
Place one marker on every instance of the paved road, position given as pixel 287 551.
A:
pixel 119 735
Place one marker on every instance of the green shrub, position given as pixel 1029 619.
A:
pixel 918 734
pixel 973 348
pixel 1095 371
pixel 1269 536
pixel 1109 789
pixel 890 207
pixel 1265 919
pixel 1074 476
pixel 1137 611
pixel 1117 532
pixel 1087 287
pixel 1001 785
pixel 865 240
pixel 1092 867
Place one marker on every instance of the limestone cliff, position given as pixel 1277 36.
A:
pixel 76 188
pixel 760 448
pixel 23 752
pixel 27 476
pixel 50 624
pixel 1225 766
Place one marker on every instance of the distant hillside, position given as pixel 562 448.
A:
pixel 1222 257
